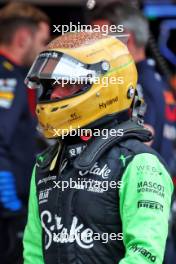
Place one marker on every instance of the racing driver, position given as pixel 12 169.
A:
pixel 67 225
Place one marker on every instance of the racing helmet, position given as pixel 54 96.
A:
pixel 81 78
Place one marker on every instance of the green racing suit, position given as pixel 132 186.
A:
pixel 145 197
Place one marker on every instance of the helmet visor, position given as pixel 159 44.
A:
pixel 58 75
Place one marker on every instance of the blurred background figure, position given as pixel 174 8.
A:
pixel 24 32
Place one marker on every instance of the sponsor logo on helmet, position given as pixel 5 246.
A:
pixel 108 102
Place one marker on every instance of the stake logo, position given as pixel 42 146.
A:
pixel 103 172
pixel 77 232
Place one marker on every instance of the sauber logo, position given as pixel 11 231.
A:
pixel 77 232
pixel 43 195
pixel 46 179
pixel 96 170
